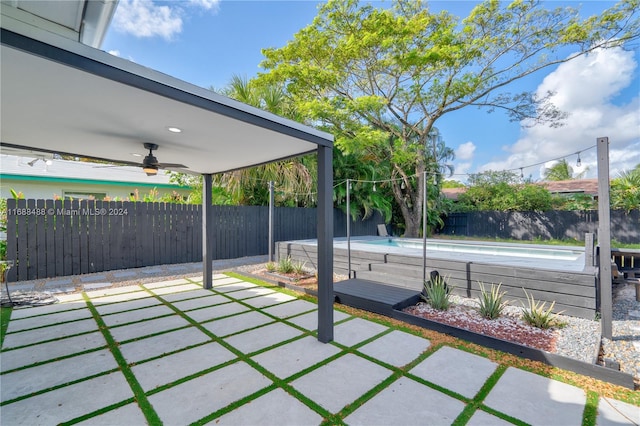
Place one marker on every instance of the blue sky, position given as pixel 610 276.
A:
pixel 205 42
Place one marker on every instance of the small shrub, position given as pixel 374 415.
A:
pixel 298 268
pixel 285 265
pixel 491 303
pixel 536 314
pixel 271 266
pixel 437 293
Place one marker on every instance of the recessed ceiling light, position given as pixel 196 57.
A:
pixel 174 129
pixel 135 154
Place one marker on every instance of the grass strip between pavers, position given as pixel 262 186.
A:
pixel 5 317
pixel 277 382
pixel 590 413
pixel 147 409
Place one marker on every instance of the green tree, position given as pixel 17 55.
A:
pixel 562 171
pixel 379 79
pixel 625 190
pixel 503 191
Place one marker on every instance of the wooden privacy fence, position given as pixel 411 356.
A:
pixel 50 238
pixel 557 224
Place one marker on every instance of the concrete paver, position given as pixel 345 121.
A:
pixel 216 311
pixel 170 290
pixel 406 402
pixel 28 355
pixel 236 323
pixel 612 412
pixel 142 314
pixel 27 312
pixel 340 382
pixel 455 369
pixel 129 414
pixel 170 368
pixel 127 305
pixel 49 319
pixel 24 382
pixel 286 310
pixel 28 337
pixel 537 400
pixel 276 407
pixel 199 397
pixel 260 338
pixel 412 346
pixel 151 347
pixel 249 292
pixel 200 302
pixel 356 330
pixel 482 418
pixel 187 295
pixel 310 320
pixel 69 402
pixel 300 354
pixel 144 328
pixel 268 300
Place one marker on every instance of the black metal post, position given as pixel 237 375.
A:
pixel 325 244
pixel 207 232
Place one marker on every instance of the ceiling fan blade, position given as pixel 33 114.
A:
pixel 172 165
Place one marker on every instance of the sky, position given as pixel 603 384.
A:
pixel 206 42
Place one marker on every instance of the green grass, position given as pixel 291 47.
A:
pixel 5 315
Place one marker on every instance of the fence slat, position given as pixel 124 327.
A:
pixel 73 238
pixel 50 238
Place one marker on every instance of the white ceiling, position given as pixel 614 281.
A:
pixel 61 96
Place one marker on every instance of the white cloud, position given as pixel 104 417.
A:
pixel 465 151
pixel 206 4
pixel 145 18
pixel 584 87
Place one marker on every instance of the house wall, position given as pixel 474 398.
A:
pixel 48 189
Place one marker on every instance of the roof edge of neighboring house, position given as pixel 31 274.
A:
pixel 15 177
pixel 573 186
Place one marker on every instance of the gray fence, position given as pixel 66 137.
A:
pixel 625 227
pixel 49 238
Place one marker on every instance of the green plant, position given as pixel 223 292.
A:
pixel 271 266
pixel 491 303
pixel 298 268
pixel 536 314
pixel 437 293
pixel 285 265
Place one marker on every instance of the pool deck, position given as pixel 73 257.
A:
pixel 171 352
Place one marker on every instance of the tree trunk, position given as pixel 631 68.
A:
pixel 412 214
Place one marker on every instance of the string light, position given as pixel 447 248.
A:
pixel 578 162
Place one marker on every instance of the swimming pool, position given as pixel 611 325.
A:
pixel 561 274
pixel 490 249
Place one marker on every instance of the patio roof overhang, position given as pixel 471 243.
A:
pixel 62 96
pixel 58 95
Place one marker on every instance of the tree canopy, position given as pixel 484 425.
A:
pixel 379 79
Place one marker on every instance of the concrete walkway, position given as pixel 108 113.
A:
pixel 172 353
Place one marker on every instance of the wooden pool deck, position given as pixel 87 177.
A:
pixel 370 295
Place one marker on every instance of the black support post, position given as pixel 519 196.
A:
pixel 207 232
pixel 325 244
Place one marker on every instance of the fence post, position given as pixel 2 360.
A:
pixel 271 214
pixel 604 239
pixel 589 254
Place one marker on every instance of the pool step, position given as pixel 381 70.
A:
pixel 390 279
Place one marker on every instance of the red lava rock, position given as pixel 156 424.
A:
pixel 506 327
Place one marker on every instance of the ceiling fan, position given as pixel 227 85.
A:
pixel 150 164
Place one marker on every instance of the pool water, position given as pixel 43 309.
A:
pixel 483 249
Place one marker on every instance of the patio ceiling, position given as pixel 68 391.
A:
pixel 62 96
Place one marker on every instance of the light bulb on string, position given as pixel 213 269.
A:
pixel 578 161
pixel 521 173
pixel 374 187
pixel 403 186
